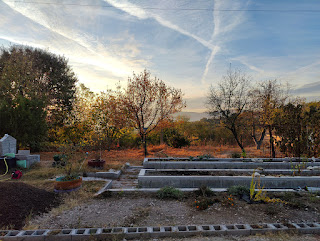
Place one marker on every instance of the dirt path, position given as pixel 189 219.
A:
pixel 150 211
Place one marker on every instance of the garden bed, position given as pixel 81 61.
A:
pixel 229 172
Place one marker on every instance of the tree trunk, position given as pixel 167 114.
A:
pixel 235 134
pixel 259 142
pixel 273 153
pixel 145 145
pixel 161 136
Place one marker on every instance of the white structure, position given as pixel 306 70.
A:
pixel 8 144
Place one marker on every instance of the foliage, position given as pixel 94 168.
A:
pixel 228 200
pixel 204 191
pixel 235 155
pixel 203 203
pixel 265 100
pixel 169 193
pixel 238 191
pixel 177 140
pixel 290 127
pixel 36 89
pixel 149 101
pixel 73 159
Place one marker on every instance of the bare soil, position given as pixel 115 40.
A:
pixel 20 202
pixel 147 210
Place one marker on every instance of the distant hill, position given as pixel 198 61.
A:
pixel 193 116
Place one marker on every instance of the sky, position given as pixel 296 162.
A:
pixel 188 44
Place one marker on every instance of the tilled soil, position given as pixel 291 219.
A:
pixel 146 210
pixel 19 201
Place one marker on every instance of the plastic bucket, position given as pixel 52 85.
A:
pixel 21 163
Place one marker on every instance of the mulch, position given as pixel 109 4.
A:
pixel 18 200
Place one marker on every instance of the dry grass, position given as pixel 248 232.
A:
pixel 115 159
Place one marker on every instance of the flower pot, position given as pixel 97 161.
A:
pixel 96 163
pixel 60 185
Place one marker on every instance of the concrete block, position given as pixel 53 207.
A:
pixel 261 228
pixel 13 235
pixel 59 235
pixel 24 152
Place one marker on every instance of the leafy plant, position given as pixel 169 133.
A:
pixel 235 155
pixel 238 191
pixel 228 201
pixel 71 168
pixel 204 191
pixel 169 193
pixel 205 156
pixel 203 203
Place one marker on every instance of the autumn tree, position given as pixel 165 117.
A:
pixel 149 101
pixel 228 100
pixel 110 118
pixel 265 99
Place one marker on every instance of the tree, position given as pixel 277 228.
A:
pixel 30 77
pixel 110 118
pixel 150 101
pixel 228 100
pixel 291 128
pixel 265 100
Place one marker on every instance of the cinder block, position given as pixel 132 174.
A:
pixel 261 228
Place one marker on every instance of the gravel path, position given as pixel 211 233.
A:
pixel 150 211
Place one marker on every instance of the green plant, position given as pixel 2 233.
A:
pixel 228 200
pixel 204 191
pixel 205 156
pixel 243 154
pixel 71 168
pixel 235 155
pixel 169 193
pixel 298 167
pixel 238 191
pixel 203 203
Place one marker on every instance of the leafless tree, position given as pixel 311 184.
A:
pixel 228 100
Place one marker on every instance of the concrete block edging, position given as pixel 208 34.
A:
pixel 158 232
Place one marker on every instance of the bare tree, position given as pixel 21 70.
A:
pixel 228 100
pixel 150 101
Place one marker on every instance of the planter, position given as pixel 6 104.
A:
pixel 96 163
pixel 67 186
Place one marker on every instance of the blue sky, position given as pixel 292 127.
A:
pixel 188 44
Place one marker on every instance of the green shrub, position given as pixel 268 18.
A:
pixel 177 141
pixel 235 155
pixel 204 191
pixel 238 191
pixel 169 193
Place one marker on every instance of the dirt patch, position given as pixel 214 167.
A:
pixel 20 201
pixel 147 210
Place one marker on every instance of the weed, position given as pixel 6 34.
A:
pixel 228 201
pixel 238 191
pixel 204 157
pixel 203 203
pixel 204 191
pixel 261 195
pixel 235 155
pixel 169 193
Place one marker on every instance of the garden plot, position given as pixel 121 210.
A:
pixel 220 173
